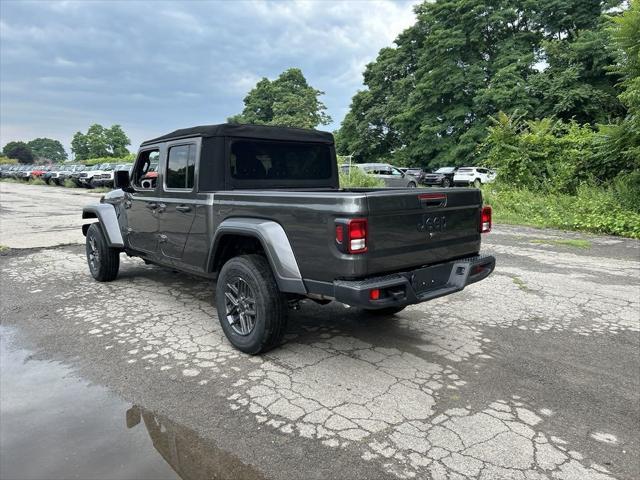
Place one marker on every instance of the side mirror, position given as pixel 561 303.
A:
pixel 122 180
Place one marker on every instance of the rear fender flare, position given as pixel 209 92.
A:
pixel 276 245
pixel 108 219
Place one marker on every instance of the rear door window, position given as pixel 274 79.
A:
pixel 181 167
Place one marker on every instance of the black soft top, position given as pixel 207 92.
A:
pixel 263 132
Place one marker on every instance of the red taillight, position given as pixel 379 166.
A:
pixel 357 228
pixel 351 235
pixel 485 220
pixel 374 294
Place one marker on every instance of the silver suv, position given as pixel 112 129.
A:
pixel 392 176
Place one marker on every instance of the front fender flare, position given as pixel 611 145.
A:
pixel 276 246
pixel 108 219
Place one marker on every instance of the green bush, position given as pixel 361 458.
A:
pixel 37 181
pixel 69 183
pixel 126 159
pixel 594 209
pixel 544 155
pixel 357 178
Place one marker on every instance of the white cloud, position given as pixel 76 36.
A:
pixel 156 66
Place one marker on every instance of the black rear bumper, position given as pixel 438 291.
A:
pixel 415 286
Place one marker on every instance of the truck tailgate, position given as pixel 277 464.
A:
pixel 414 227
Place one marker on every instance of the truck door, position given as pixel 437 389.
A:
pixel 179 198
pixel 143 203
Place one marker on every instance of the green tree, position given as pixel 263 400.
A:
pixel 100 142
pixel 286 101
pixel 117 141
pixel 18 150
pixel 620 147
pixel 49 149
pixel 429 98
pixel 576 83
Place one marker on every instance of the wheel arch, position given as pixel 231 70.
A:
pixel 108 220
pixel 254 235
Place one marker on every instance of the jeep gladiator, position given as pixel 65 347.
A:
pixel 261 210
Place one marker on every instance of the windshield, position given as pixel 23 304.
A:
pixel 445 170
pixel 253 160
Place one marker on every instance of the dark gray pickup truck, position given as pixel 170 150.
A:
pixel 260 209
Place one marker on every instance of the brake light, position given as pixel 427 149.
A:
pixel 374 294
pixel 357 229
pixel 351 235
pixel 485 219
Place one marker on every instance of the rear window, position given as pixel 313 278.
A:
pixel 283 162
pixel 465 170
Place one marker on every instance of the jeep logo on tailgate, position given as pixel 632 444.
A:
pixel 432 224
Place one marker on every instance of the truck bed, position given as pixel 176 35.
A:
pixel 407 228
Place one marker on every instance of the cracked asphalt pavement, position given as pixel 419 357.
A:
pixel 533 373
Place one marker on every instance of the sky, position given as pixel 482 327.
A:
pixel 156 66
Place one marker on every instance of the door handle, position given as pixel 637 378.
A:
pixel 183 208
pixel 152 206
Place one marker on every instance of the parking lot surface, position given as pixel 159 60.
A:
pixel 533 373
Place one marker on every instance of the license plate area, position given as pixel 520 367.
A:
pixel 430 278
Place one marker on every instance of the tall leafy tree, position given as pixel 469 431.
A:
pixel 428 99
pixel 48 149
pixel 286 101
pixel 19 151
pixel 620 146
pixel 100 142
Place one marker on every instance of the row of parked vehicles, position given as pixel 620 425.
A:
pixel 88 176
pixel 414 177
pixel 101 175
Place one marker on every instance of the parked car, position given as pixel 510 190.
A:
pixel 267 218
pixel 66 172
pixel 39 171
pixel 25 172
pixel 390 175
pixel 473 176
pixel 442 177
pixel 7 171
pixel 74 176
pixel 105 179
pixel 90 177
pixel 49 173
pixel 417 173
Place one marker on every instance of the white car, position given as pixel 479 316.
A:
pixel 90 177
pixel 473 176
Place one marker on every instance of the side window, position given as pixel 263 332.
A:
pixel 181 166
pixel 145 172
pixel 395 171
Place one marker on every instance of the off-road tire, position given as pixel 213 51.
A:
pixel 105 269
pixel 383 312
pixel 411 185
pixel 446 182
pixel 270 304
